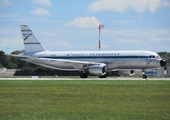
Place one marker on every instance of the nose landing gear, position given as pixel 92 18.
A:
pixel 144 76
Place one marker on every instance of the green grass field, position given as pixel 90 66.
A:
pixel 84 100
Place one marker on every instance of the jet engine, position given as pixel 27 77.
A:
pixel 98 70
pixel 126 72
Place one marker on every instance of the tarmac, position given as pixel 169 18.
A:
pixel 109 78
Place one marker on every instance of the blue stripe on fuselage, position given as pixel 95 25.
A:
pixel 92 57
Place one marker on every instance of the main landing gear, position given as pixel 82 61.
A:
pixel 144 76
pixel 83 75
pixel 103 76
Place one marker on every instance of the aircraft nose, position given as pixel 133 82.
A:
pixel 162 63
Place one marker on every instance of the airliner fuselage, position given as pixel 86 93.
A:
pixel 92 62
pixel 113 59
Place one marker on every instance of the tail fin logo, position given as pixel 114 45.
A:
pixel 27 35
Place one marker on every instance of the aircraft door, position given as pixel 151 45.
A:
pixel 140 57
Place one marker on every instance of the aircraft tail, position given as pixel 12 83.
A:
pixel 31 43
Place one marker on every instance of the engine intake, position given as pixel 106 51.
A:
pixel 98 70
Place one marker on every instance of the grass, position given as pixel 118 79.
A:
pixel 88 100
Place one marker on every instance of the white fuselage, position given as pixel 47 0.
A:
pixel 93 62
pixel 113 59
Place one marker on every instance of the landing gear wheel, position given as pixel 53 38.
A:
pixel 144 76
pixel 103 76
pixel 83 75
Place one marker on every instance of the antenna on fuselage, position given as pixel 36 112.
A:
pixel 101 26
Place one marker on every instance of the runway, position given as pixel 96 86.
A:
pixel 111 78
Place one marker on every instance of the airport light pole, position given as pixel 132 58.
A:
pixel 100 27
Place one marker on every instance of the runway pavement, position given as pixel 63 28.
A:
pixel 110 78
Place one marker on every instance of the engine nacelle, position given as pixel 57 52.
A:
pixel 126 72
pixel 98 70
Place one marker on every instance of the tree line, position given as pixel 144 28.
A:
pixel 25 68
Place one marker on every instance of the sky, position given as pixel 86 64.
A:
pixel 72 25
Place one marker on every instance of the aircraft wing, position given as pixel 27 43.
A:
pixel 76 64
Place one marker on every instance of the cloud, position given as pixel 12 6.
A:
pixel 10 42
pixel 120 22
pixel 140 39
pixel 4 3
pixel 122 6
pixel 47 33
pixel 128 41
pixel 165 3
pixel 147 34
pixel 63 43
pixel 3 31
pixel 41 12
pixel 42 2
pixel 84 22
pixel 59 43
pixel 10 15
pixel 160 39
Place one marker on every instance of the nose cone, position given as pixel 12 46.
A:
pixel 162 63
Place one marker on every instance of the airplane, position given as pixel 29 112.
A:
pixel 95 63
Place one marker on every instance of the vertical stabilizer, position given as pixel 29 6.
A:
pixel 31 43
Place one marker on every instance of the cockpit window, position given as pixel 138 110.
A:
pixel 158 56
pixel 152 56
